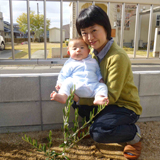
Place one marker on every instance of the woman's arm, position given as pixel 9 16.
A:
pixel 86 101
pixel 118 70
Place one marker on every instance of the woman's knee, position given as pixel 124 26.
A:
pixel 100 134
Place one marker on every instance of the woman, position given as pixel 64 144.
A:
pixel 116 123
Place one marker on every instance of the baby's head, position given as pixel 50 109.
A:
pixel 78 49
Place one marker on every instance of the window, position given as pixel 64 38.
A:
pixel 158 20
pixel 129 13
pixel 127 20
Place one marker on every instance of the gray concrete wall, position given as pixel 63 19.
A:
pixel 25 103
pixel 148 84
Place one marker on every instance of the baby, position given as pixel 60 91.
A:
pixel 82 71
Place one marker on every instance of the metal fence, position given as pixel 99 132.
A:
pixel 45 60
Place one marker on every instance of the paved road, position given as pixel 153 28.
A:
pixel 38 54
pixel 56 69
pixel 5 54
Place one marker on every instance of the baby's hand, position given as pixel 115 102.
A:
pixel 58 86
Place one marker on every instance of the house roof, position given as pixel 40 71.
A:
pixel 8 30
pixel 5 22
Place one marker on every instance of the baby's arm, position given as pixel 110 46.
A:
pixel 58 86
pixel 65 72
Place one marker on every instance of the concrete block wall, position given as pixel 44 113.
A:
pixel 56 52
pixel 25 100
pixel 25 103
pixel 148 84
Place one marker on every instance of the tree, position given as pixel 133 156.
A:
pixel 36 24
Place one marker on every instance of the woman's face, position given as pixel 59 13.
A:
pixel 95 36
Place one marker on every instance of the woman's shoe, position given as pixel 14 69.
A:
pixel 132 151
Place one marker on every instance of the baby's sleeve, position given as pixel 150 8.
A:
pixel 65 72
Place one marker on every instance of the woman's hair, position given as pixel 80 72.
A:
pixel 91 16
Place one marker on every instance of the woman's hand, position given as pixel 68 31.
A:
pixel 101 80
pixel 58 86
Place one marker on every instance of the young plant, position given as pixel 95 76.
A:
pixel 70 134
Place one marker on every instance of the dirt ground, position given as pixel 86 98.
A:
pixel 12 147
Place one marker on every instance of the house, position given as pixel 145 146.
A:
pixel 5 29
pixel 129 29
pixel 54 34
pixel 129 26
pixel 82 5
pixel 1 25
pixel 16 32
pixel 67 30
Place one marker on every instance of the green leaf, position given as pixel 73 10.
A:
pixel 61 145
pixel 93 111
pixel 33 142
pixel 44 147
pixel 30 140
pixel 90 116
pixel 50 134
pixel 66 157
pixel 40 146
pixel 53 153
pixel 63 111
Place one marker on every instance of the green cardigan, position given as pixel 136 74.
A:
pixel 117 75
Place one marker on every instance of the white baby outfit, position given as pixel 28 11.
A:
pixel 85 75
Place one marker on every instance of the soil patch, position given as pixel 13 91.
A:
pixel 12 147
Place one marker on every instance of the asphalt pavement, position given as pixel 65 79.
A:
pixel 6 54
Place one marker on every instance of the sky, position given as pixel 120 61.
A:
pixel 52 11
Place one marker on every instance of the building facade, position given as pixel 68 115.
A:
pixel 115 17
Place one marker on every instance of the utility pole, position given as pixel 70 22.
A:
pixel 37 9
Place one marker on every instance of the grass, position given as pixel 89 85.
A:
pixel 40 46
pixel 34 47
pixel 138 53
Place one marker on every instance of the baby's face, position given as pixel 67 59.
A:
pixel 78 49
